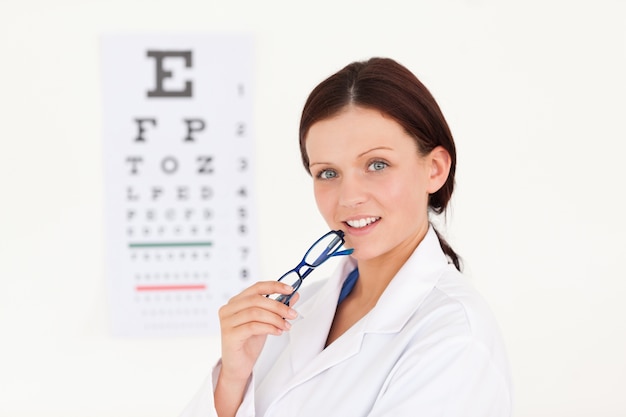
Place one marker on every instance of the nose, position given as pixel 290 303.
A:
pixel 353 191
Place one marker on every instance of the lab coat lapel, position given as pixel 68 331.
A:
pixel 340 350
pixel 310 330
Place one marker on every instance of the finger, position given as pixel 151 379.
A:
pixel 250 297
pixel 255 308
pixel 251 329
pixel 243 302
pixel 257 315
pixel 267 287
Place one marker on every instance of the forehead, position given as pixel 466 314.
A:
pixel 357 127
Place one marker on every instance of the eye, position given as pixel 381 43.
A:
pixel 377 166
pixel 326 174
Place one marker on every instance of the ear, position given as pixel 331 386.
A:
pixel 439 161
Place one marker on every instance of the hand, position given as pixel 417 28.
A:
pixel 246 321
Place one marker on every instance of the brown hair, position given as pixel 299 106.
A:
pixel 385 85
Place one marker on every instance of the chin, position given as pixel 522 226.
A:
pixel 363 254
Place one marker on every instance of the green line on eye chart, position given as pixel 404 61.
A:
pixel 168 244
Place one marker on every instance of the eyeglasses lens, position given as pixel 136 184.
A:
pixel 291 279
pixel 328 245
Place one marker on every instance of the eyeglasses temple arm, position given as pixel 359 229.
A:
pixel 343 252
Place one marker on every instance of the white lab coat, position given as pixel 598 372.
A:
pixel 430 347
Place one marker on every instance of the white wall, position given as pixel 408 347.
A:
pixel 534 92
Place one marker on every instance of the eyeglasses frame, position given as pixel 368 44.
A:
pixel 323 257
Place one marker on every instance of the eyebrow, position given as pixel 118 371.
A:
pixel 386 148
pixel 378 148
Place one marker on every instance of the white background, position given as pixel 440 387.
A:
pixel 534 92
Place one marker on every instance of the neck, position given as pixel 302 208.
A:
pixel 376 274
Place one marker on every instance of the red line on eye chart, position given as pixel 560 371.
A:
pixel 193 287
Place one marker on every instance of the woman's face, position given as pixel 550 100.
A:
pixel 370 181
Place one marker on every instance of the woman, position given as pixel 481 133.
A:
pixel 410 336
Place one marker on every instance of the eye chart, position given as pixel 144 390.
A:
pixel 178 165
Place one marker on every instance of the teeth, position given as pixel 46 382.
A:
pixel 362 222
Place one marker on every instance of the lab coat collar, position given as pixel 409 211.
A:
pixel 408 289
pixel 403 296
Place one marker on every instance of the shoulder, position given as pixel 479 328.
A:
pixel 454 294
pixel 452 347
pixel 455 316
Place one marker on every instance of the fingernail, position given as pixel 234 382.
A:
pixel 292 313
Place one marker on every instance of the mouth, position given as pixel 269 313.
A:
pixel 361 223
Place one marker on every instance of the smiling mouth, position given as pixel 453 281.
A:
pixel 357 224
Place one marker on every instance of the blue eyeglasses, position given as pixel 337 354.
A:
pixel 323 249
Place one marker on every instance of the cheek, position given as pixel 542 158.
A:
pixel 324 200
pixel 407 193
